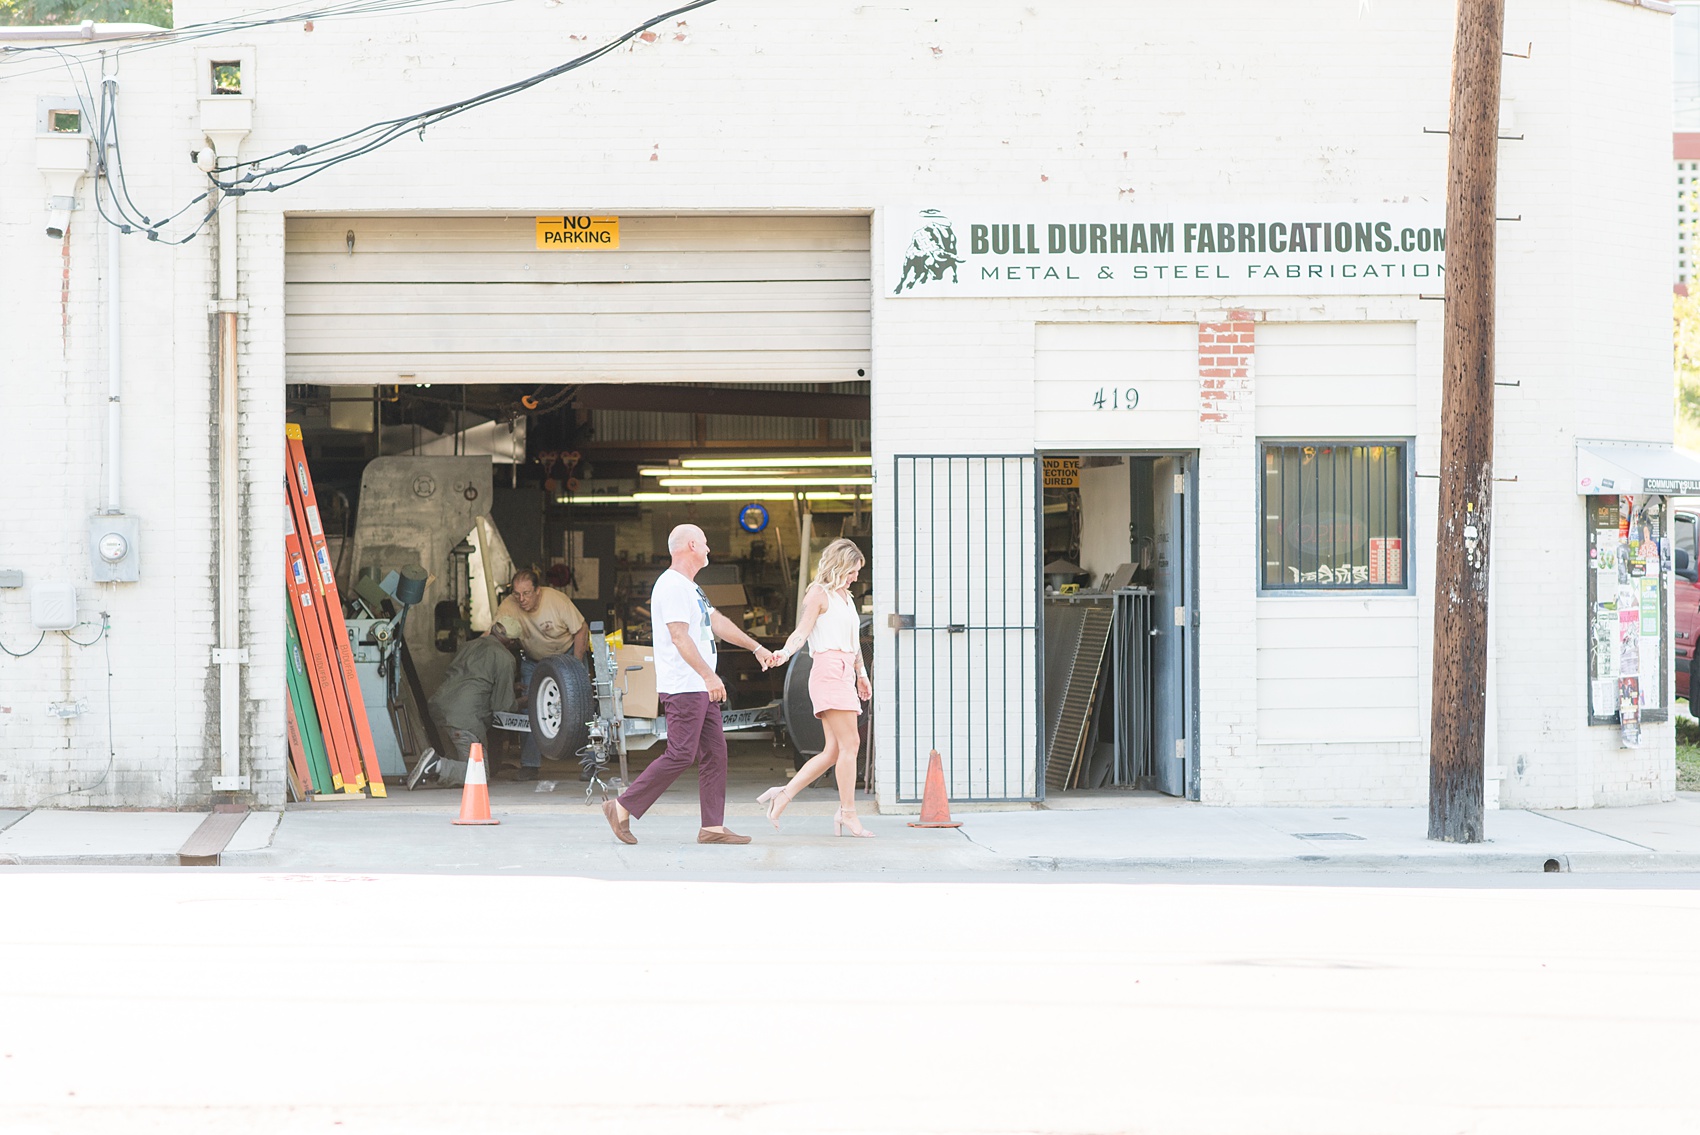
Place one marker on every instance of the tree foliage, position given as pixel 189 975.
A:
pixel 34 13
pixel 1685 341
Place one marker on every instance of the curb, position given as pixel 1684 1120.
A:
pixel 127 859
pixel 156 858
pixel 1499 863
pixel 1673 861
pixel 1484 863
pixel 1308 864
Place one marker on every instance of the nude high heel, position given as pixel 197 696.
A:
pixel 772 798
pixel 842 819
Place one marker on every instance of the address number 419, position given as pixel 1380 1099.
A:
pixel 1115 398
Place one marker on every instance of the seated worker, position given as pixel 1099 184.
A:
pixel 550 624
pixel 480 682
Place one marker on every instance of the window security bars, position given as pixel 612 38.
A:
pixel 1335 516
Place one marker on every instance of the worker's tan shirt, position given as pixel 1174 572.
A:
pixel 549 630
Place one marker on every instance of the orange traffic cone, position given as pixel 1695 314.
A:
pixel 935 802
pixel 475 796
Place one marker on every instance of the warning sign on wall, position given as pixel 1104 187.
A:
pixel 581 232
pixel 1062 472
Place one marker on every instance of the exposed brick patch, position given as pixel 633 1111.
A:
pixel 65 292
pixel 1225 352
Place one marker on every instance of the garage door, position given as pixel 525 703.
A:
pixel 374 300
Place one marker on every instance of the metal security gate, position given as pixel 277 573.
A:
pixel 1132 650
pixel 965 574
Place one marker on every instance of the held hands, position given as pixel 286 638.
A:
pixel 774 659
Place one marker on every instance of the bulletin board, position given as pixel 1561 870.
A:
pixel 1629 587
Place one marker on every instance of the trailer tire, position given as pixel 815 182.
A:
pixel 561 706
pixel 802 728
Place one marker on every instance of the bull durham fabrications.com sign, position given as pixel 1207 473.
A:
pixel 1353 249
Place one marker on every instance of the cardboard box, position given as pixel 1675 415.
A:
pixel 638 685
pixel 729 599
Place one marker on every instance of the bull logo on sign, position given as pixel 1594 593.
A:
pixel 931 252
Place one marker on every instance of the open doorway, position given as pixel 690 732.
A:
pixel 576 397
pixel 467 484
pixel 1117 622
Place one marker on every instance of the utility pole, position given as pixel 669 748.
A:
pixel 1458 715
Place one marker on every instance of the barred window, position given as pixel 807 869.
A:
pixel 1335 516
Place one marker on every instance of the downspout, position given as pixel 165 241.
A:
pixel 226 121
pixel 229 654
pixel 114 372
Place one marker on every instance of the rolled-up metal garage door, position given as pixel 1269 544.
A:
pixel 377 300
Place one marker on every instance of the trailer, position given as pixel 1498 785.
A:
pixel 572 709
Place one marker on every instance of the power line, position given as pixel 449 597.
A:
pixel 25 653
pixel 306 161
pixel 111 740
pixel 102 111
pixel 298 163
pixel 166 37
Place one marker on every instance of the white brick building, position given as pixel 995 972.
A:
pixel 1084 113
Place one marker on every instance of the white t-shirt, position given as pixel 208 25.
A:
pixel 678 600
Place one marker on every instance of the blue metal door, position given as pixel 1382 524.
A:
pixel 1175 747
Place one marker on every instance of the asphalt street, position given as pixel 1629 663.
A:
pixel 182 1001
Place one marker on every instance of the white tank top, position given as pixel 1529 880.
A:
pixel 838 627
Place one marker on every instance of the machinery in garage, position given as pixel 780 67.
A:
pixel 419 511
pixel 377 632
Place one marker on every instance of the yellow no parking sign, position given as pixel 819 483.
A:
pixel 579 232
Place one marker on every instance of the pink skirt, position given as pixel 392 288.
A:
pixel 832 682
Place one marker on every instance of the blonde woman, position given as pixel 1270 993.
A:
pixel 838 685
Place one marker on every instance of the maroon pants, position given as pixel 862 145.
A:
pixel 694 737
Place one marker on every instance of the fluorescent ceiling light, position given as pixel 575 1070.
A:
pixel 764 482
pixel 692 498
pixel 728 476
pixel 771 462
pixel 758 496
pixel 759 466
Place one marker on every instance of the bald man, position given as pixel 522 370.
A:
pixel 685 628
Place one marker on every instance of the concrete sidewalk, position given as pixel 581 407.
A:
pixel 1130 834
pixel 119 839
pixel 1660 837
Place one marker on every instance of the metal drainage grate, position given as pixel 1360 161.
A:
pixel 1325 835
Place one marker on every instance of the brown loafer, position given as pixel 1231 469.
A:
pixel 706 836
pixel 622 828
